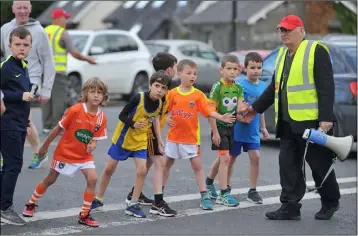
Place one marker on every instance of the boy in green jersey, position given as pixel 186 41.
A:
pixel 226 95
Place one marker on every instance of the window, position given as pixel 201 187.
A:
pixel 79 41
pixel 121 43
pixel 269 62
pixel 102 42
pixel 341 61
pixel 190 50
pixel 157 4
pixel 209 55
pixel 156 48
pixel 77 3
pixel 129 4
pixel 181 3
pixel 141 4
pixel 62 3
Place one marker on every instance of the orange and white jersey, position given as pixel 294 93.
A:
pixel 184 109
pixel 80 127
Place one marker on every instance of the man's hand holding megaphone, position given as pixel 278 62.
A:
pixel 325 126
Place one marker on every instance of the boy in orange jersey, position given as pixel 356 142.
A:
pixel 84 123
pixel 185 102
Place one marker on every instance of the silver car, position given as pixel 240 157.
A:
pixel 206 58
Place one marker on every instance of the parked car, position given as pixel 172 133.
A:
pixel 242 53
pixel 123 62
pixel 206 58
pixel 345 78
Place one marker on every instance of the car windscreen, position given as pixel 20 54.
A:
pixel 79 41
pixel 342 62
pixel 155 48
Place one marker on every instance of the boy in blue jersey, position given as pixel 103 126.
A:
pixel 15 85
pixel 130 138
pixel 246 135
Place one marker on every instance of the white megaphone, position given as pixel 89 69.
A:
pixel 341 146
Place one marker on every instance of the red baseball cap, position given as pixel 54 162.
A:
pixel 59 12
pixel 290 22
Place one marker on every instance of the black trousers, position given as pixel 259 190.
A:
pixel 319 158
pixel 12 150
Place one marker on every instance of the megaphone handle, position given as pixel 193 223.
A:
pixel 304 170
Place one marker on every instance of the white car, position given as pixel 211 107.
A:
pixel 123 62
pixel 206 58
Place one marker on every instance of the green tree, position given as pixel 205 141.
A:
pixel 37 8
pixel 347 18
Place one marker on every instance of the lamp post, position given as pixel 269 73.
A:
pixel 233 25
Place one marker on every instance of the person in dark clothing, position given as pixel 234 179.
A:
pixel 302 90
pixel 15 85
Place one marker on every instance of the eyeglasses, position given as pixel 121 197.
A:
pixel 283 30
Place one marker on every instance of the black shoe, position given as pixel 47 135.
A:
pixel 143 200
pixel 162 209
pixel 326 212
pixel 286 212
pixel 9 216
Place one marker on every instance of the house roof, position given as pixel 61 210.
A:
pixel 148 18
pixel 75 8
pixel 221 12
pixel 247 11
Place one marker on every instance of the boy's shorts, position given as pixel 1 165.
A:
pixel 69 169
pixel 226 139
pixel 153 148
pixel 120 154
pixel 181 151
pixel 236 147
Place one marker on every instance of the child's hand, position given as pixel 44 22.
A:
pixel 264 133
pixel 27 96
pixel 42 151
pixel 139 124
pixel 216 139
pixel 28 130
pixel 161 146
pixel 91 146
pixel 170 121
pixel 228 118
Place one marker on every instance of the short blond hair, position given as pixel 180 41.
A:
pixel 95 83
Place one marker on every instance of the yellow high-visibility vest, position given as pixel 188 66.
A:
pixel 54 33
pixel 302 98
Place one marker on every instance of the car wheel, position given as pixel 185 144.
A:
pixel 74 89
pixel 141 84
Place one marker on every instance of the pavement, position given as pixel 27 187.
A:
pixel 59 208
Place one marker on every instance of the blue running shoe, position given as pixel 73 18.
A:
pixel 37 161
pixel 134 210
pixel 96 204
pixel 206 202
pixel 227 199
pixel 212 191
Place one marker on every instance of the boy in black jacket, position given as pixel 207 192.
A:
pixel 15 85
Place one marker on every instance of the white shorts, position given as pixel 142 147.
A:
pixel 69 169
pixel 181 151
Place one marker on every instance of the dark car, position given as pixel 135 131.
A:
pixel 345 79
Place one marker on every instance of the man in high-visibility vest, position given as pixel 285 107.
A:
pixel 61 44
pixel 302 91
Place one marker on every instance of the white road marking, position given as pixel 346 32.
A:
pixel 47 215
pixel 54 143
pixel 188 212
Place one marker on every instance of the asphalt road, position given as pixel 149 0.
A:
pixel 58 209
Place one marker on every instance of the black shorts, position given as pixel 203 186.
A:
pixel 226 138
pixel 153 148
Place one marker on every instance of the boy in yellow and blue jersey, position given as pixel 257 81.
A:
pixel 130 137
